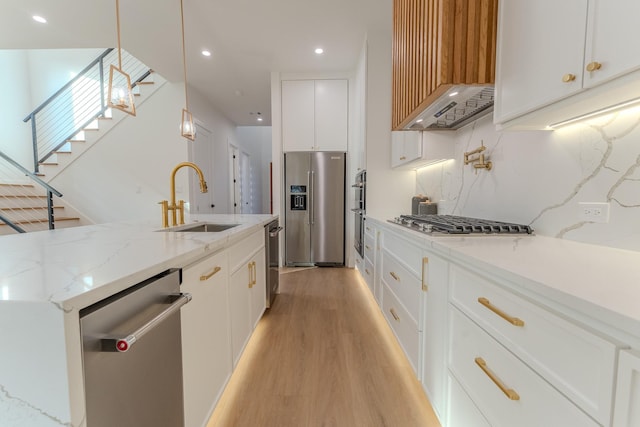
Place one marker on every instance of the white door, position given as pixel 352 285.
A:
pixel 201 153
pixel 246 184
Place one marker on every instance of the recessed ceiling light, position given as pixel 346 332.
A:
pixel 259 119
pixel 319 51
pixel 419 120
pixel 206 52
pixel 39 19
pixel 453 94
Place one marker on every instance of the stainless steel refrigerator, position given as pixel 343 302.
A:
pixel 314 208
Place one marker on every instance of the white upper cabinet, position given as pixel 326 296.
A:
pixel 540 54
pixel 612 39
pixel 549 53
pixel 416 149
pixel 315 115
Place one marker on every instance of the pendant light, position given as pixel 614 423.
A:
pixel 120 95
pixel 187 128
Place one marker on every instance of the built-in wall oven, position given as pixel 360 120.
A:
pixel 359 209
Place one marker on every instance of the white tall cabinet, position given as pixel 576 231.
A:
pixel 627 407
pixel 315 115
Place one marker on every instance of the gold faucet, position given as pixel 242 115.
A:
pixel 173 207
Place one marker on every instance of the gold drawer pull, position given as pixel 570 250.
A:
pixel 394 314
pixel 425 285
pixel 208 276
pixel 368 247
pixel 395 276
pixel 568 78
pixel 593 66
pixel 368 229
pixel 366 270
pixel 510 393
pixel 403 158
pixel 513 320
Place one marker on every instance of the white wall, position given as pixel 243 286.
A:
pixel 256 141
pixel 50 69
pixel 15 136
pixel 539 177
pixel 127 172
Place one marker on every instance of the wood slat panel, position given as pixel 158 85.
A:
pixel 436 44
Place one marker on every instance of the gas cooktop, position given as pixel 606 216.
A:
pixel 450 224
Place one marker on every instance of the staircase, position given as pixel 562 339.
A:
pixel 26 205
pixel 26 200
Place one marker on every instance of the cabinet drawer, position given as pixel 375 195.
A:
pixel 368 273
pixel 369 230
pixel 488 372
pixel 403 283
pixel 243 250
pixel 462 411
pixel 403 326
pixel 577 362
pixel 402 249
pixel 207 270
pixel 369 247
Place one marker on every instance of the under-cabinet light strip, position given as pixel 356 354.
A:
pixel 596 113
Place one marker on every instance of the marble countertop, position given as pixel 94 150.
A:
pixel 596 281
pixel 75 267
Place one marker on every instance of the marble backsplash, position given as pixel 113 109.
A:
pixel 539 177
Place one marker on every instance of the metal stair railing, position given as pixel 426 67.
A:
pixel 77 104
pixel 28 186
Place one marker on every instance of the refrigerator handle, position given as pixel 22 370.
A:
pixel 311 198
pixel 309 201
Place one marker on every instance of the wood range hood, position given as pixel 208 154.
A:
pixel 444 54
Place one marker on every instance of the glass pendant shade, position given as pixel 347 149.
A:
pixel 187 128
pixel 120 95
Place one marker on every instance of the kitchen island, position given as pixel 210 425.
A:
pixel 47 277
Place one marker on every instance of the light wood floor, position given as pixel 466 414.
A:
pixel 323 355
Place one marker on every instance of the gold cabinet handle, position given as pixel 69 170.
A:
pixel 425 285
pixel 366 270
pixel 593 66
pixel 208 276
pixel 368 229
pixel 250 267
pixel 394 314
pixel 255 274
pixel 394 275
pixel 403 158
pixel 510 393
pixel 567 78
pixel 513 320
pixel 368 247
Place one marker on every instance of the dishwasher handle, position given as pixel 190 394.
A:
pixel 123 344
pixel 274 231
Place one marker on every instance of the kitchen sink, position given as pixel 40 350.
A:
pixel 206 227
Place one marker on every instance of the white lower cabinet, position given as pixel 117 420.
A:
pixel 247 300
pixel 506 391
pixel 228 298
pixel 206 345
pixel 462 412
pixel 627 406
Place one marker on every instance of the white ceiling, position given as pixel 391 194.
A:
pixel 248 39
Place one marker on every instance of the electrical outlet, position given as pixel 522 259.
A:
pixel 594 212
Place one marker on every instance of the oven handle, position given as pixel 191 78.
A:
pixel 124 343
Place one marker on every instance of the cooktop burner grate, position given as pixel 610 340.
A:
pixel 451 224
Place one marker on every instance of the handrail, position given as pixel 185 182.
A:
pixel 30 175
pixel 68 85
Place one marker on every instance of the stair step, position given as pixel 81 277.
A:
pixel 23 196
pixel 48 163
pixel 16 185
pixel 40 221
pixel 144 82
pixel 31 208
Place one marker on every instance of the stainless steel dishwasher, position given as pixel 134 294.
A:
pixel 132 357
pixel 272 255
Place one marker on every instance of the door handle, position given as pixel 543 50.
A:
pixel 124 343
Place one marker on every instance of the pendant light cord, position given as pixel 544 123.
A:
pixel 184 59
pixel 118 29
